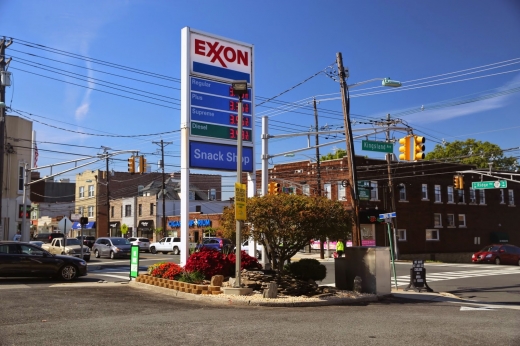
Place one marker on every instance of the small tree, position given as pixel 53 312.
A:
pixel 285 223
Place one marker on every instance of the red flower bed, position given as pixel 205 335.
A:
pixel 246 261
pixel 167 271
pixel 212 262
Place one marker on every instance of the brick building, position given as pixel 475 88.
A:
pixel 432 217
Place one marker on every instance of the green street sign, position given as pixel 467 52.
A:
pixel 134 261
pixel 364 190
pixel 497 184
pixel 382 147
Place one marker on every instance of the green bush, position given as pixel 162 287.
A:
pixel 307 268
pixel 195 277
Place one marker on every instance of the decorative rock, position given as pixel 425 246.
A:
pixel 271 291
pixel 231 282
pixel 217 280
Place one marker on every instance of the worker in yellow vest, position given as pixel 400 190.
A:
pixel 340 247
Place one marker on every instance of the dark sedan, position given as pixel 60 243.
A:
pixel 26 260
pixel 498 254
pixel 87 240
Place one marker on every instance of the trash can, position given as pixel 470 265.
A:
pixel 371 264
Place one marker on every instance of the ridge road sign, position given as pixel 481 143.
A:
pixel 497 184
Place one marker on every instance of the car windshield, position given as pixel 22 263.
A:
pixel 121 241
pixel 144 239
pixel 73 242
pixel 490 248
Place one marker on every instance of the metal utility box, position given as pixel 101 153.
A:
pixel 371 264
pixel 5 78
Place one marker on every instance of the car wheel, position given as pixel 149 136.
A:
pixel 96 254
pixel 112 255
pixel 87 259
pixel 497 261
pixel 176 251
pixel 68 272
pixel 152 250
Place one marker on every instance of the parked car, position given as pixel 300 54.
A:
pixel 144 243
pixel 112 247
pixel 216 243
pixel 69 247
pixel 245 247
pixel 169 244
pixel 48 237
pixel 498 254
pixel 37 243
pixel 27 260
pixel 88 240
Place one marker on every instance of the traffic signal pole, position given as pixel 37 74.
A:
pixel 391 188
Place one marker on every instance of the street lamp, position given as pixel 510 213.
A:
pixel 239 89
pixel 351 159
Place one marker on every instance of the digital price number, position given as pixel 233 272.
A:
pixel 233 134
pixel 233 120
pixel 233 106
pixel 244 96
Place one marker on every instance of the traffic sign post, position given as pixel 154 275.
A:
pixel 497 184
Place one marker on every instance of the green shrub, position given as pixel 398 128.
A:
pixel 195 277
pixel 307 268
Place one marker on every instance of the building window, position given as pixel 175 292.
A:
pixel 374 191
pixel 212 194
pixel 450 194
pixel 121 210
pixel 437 220
pixel 424 191
pixel 401 233
pixel 437 192
pixel 20 178
pixel 128 210
pixel 81 210
pixel 342 192
pixel 462 220
pixel 90 210
pixel 306 190
pixel 461 196
pixel 472 198
pixel 327 190
pixel 402 192
pixel 81 191
pixel 450 220
pixel 432 234
pixel 112 211
pixel 140 210
pixel 482 197
pixel 91 190
pixel 151 208
pixel 502 197
pixel 511 197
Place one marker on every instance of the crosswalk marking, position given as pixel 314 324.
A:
pixel 443 276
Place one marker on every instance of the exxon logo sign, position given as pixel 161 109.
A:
pixel 220 58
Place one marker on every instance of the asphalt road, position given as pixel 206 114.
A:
pixel 117 314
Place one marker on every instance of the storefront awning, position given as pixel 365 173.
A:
pixel 145 225
pixel 90 225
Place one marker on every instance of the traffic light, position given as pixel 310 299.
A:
pixel 418 147
pixel 404 149
pixel 131 165
pixel 277 188
pixel 142 164
pixel 458 182
pixel 270 188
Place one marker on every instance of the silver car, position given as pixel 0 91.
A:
pixel 113 247
pixel 143 243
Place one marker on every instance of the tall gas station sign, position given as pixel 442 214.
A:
pixel 209 110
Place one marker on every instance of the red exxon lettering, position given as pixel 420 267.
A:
pixel 220 53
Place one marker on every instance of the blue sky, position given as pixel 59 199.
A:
pixel 444 52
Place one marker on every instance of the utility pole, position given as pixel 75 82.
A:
pixel 3 64
pixel 108 194
pixel 318 168
pixel 162 144
pixel 351 159
pixel 390 183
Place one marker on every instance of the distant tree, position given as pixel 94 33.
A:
pixel 284 224
pixel 340 153
pixel 472 152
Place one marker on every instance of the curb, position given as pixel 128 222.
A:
pixel 252 302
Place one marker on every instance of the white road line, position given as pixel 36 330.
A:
pixel 127 277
